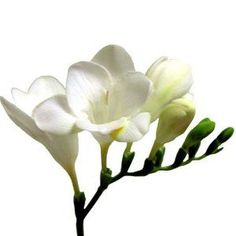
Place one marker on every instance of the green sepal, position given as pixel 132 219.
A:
pixel 127 161
pixel 192 151
pixel 148 167
pixel 180 156
pixel 212 147
pixel 159 157
pixel 105 178
pixel 79 203
pixel 199 132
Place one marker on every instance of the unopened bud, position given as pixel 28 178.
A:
pixel 201 131
pixel 175 119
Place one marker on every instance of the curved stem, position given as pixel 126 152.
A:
pixel 93 201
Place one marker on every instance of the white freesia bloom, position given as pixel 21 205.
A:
pixel 64 149
pixel 175 119
pixel 104 97
pixel 171 80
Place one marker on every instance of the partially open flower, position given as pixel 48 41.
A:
pixel 174 120
pixel 64 148
pixel 104 97
pixel 171 79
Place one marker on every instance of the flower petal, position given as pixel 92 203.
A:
pixel 175 119
pixel 134 130
pixel 116 60
pixel 55 116
pixel 22 120
pixel 87 87
pixel 104 129
pixel 128 95
pixel 171 79
pixel 64 149
pixel 42 88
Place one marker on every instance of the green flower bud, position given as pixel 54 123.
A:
pixel 225 134
pixel 174 120
pixel 202 130
pixel 221 138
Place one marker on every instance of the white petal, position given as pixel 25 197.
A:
pixel 134 130
pixel 171 79
pixel 175 119
pixel 22 120
pixel 115 59
pixel 128 95
pixel 64 149
pixel 87 87
pixel 41 89
pixel 103 129
pixel 55 116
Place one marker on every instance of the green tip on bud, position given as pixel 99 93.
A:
pixel 174 120
pixel 199 132
pixel 225 134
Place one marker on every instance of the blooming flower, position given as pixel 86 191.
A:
pixel 104 97
pixel 64 149
pixel 171 80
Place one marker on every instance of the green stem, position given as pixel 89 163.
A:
pixel 104 151
pixel 93 201
pixel 79 212
pixel 128 147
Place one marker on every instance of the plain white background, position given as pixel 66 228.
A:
pixel 44 38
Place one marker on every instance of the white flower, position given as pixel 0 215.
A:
pixel 171 80
pixel 175 119
pixel 64 148
pixel 104 97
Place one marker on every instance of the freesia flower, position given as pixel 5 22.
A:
pixel 173 121
pixel 64 148
pixel 171 79
pixel 104 97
